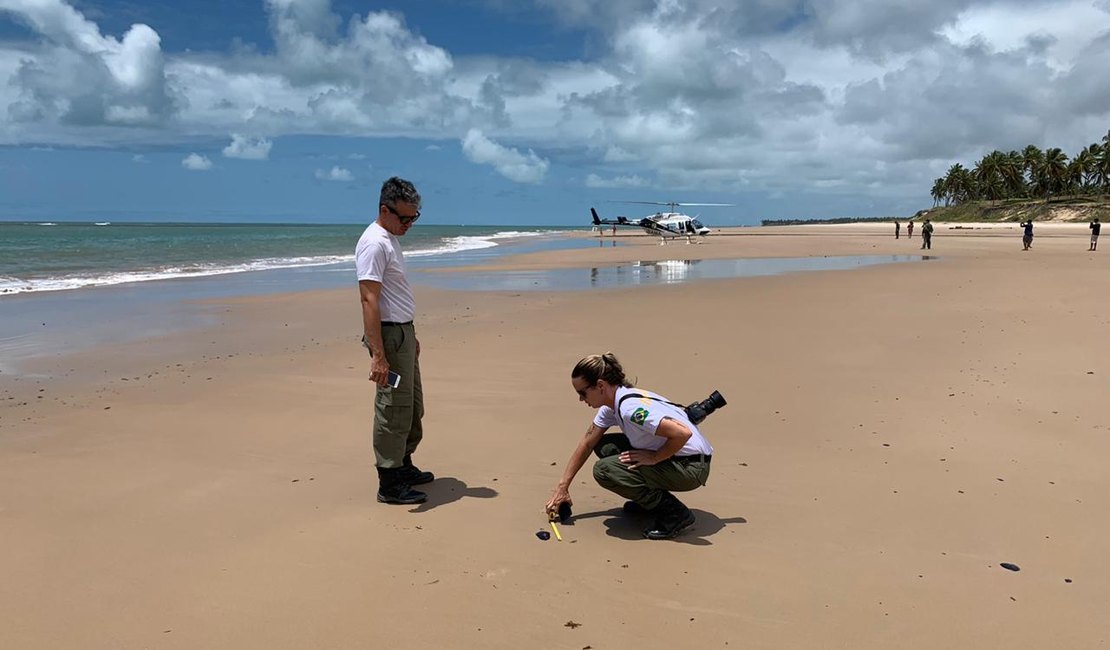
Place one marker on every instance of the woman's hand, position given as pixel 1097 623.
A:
pixel 561 495
pixel 637 457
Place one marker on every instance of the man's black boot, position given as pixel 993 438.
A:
pixel 412 475
pixel 672 517
pixel 393 489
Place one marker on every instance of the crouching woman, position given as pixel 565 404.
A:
pixel 658 452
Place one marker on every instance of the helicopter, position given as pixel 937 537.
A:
pixel 664 224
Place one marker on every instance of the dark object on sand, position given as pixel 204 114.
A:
pixel 543 534
pixel 564 512
pixel 1011 567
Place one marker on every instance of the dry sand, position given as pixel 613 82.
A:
pixel 893 434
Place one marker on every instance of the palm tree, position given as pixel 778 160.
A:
pixel 1073 177
pixel 959 184
pixel 1011 171
pixel 1028 173
pixel 1055 170
pixel 1033 164
pixel 988 176
pixel 1102 168
pixel 938 192
pixel 952 184
pixel 1082 168
pixel 968 188
pixel 1102 163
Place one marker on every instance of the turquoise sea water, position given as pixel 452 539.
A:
pixel 72 286
pixel 37 257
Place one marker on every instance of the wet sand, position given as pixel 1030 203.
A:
pixel 893 434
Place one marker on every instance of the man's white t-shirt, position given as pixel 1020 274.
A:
pixel 640 417
pixel 378 257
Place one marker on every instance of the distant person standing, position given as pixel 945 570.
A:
pixel 909 230
pixel 927 235
pixel 897 229
pixel 388 308
pixel 1095 227
pixel 1027 238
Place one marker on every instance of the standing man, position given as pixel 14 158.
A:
pixel 388 333
pixel 1095 227
pixel 927 235
pixel 1027 238
pixel 897 229
pixel 909 230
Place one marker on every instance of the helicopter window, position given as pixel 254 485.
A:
pixel 697 224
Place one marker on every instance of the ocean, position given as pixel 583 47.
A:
pixel 54 256
pixel 68 286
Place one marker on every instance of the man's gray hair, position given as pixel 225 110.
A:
pixel 398 189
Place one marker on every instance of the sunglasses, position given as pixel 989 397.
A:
pixel 405 220
pixel 582 393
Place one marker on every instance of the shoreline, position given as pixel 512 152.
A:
pixel 32 323
pixel 198 308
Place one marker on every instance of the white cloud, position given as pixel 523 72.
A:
pixel 140 159
pixel 196 162
pixel 617 155
pixel 336 173
pixel 593 180
pixel 510 163
pixel 1068 26
pixel 860 97
pixel 80 77
pixel 248 148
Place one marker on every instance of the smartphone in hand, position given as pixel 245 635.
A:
pixel 393 379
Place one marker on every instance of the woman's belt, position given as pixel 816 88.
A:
pixel 693 458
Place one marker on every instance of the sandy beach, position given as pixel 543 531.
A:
pixel 893 434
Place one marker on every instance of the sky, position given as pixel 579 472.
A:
pixel 529 112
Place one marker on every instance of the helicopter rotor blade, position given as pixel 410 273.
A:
pixel 676 203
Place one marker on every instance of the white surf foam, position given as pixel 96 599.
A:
pixel 475 242
pixel 12 285
pixel 17 285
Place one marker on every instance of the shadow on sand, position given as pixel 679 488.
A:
pixel 448 490
pixel 631 527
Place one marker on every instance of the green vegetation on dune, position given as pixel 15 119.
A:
pixel 1063 208
pixel 1031 183
pixel 809 222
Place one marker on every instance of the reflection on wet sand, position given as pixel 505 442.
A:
pixel 651 272
pixel 661 272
